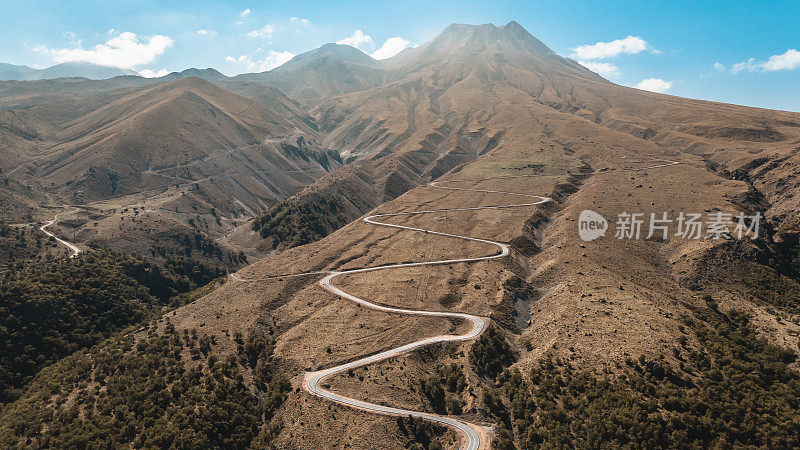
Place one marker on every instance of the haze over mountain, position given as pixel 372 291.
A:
pixel 603 343
pixel 68 69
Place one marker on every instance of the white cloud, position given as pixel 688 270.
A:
pixel 123 51
pixel 719 66
pixel 750 65
pixel 73 39
pixel 364 42
pixel 600 50
pixel 263 32
pixel 357 40
pixel 149 73
pixel 391 47
pixel 275 59
pixel 654 85
pixel 272 60
pixel 245 13
pixel 210 33
pixel 299 20
pixel 603 68
pixel 787 61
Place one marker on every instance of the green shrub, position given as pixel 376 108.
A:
pixel 291 223
pixel 491 353
pixel 52 310
pixel 146 395
pixel 739 391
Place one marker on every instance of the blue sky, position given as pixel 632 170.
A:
pixel 674 45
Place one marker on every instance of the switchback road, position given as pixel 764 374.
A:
pixel 475 436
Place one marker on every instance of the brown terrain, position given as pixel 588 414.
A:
pixel 476 103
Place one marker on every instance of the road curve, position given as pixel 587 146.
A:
pixel 73 249
pixel 475 435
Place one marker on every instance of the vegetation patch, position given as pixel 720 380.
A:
pixel 442 391
pixel 766 272
pixel 423 435
pixel 166 390
pixel 21 244
pixel 735 390
pixel 52 310
pixel 291 223
pixel 491 353
pixel 194 247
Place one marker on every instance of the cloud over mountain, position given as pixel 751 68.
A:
pixel 358 40
pixel 629 45
pixel 272 60
pixel 654 85
pixel 125 51
pixel 363 42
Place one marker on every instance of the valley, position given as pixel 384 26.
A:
pixel 345 251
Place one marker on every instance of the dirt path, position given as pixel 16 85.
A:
pixel 73 249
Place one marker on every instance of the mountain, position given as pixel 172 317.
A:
pixel 14 72
pixel 486 101
pixel 457 97
pixel 659 340
pixel 186 128
pixel 325 72
pixel 208 74
pixel 61 91
pixel 84 70
pixel 488 50
pixel 197 157
pixel 63 70
pixel 436 109
pixel 488 58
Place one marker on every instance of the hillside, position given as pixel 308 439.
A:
pixel 589 305
pixel 664 341
pixel 165 126
pixel 160 160
pixel 437 114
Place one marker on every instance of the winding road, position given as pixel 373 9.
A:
pixel 73 249
pixel 476 437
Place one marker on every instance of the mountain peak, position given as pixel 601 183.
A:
pixel 209 74
pixel 488 47
pixel 513 28
pixel 337 52
pixel 490 34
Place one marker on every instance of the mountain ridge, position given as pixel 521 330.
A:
pixel 10 72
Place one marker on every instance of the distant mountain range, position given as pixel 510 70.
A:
pixel 330 70
pixel 310 77
pixel 71 69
